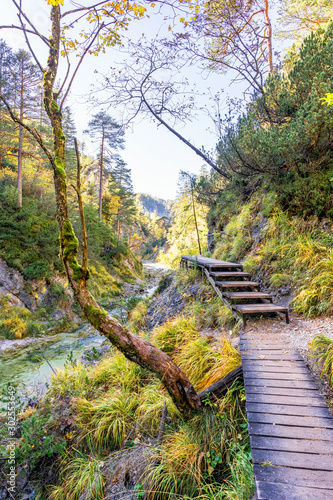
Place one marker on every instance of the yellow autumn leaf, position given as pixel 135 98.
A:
pixel 169 27
pixel 55 2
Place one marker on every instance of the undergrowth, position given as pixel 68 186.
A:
pixel 113 404
pixel 17 322
pixel 289 251
pixel 321 349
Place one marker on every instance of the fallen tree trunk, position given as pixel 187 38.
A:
pixel 221 387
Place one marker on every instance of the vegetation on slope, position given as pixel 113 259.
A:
pixel 116 403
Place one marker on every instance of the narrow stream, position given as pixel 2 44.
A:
pixel 26 368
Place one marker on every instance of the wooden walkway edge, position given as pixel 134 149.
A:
pixel 290 424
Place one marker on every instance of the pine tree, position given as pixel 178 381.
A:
pixel 109 136
pixel 24 80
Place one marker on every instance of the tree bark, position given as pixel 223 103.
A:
pixel 195 219
pixel 269 38
pixel 134 348
pixel 101 178
pixel 20 144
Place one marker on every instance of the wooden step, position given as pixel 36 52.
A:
pixel 230 274
pixel 236 284
pixel 247 295
pixel 259 309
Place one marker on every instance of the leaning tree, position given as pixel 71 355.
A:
pixel 106 20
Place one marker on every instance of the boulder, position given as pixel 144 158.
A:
pixel 12 299
pixel 10 279
pixel 124 471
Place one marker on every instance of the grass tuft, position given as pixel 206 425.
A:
pixel 321 349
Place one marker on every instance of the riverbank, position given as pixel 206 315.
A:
pixel 22 361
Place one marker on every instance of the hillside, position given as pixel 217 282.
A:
pixel 152 205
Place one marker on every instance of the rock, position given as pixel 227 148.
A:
pixel 124 471
pixel 210 240
pixel 284 290
pixel 94 355
pixel 169 304
pixel 58 314
pixel 10 279
pixel 12 299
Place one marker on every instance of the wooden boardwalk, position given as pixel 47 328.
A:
pixel 290 424
pixel 239 293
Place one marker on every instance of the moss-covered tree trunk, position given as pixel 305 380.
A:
pixel 133 347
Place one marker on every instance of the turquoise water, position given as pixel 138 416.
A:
pixel 27 369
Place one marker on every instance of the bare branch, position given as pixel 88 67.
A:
pixel 34 30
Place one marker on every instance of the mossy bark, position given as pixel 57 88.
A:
pixel 134 348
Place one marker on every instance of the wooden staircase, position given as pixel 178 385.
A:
pixel 242 295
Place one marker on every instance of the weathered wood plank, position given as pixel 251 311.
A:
pixel 293 445
pixel 283 391
pixel 296 384
pixel 258 355
pixel 299 477
pixel 209 262
pixel 289 459
pixel 237 284
pixel 290 432
pixel 290 420
pixel 265 347
pixel 279 368
pixel 247 295
pixel 285 400
pixel 260 364
pixel 230 274
pixel 275 375
pixel 280 491
pixel 315 411
pixel 254 308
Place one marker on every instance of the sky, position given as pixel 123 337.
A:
pixel 154 154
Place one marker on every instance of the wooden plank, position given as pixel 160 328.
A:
pixel 262 368
pixel 262 351
pixel 299 477
pixel 285 400
pixel 293 384
pixel 209 262
pixel 277 376
pixel 283 357
pixel 289 459
pixel 267 347
pixel 229 274
pixel 266 336
pixel 292 445
pixel 283 391
pixel 277 368
pixel 285 431
pixel 237 284
pixel 256 308
pixel 249 344
pixel 316 411
pixel 260 362
pixel 247 295
pixel 280 491
pixel 290 420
